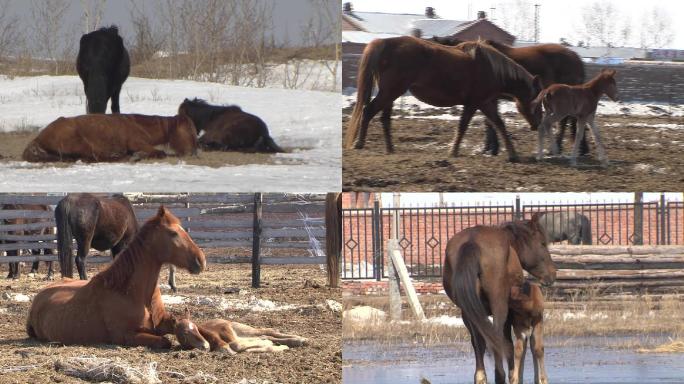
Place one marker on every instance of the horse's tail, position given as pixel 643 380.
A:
pixel 64 238
pixel 366 77
pixel 466 288
pixel 585 230
pixel 268 145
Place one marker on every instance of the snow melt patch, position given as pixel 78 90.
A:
pixel 17 297
pixel 449 321
pixel 174 299
pixel 252 303
pixel 364 314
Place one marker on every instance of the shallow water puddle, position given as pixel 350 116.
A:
pixel 582 363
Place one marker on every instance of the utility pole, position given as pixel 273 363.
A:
pixel 536 22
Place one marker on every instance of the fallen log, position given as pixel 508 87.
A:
pixel 607 250
pixel 622 261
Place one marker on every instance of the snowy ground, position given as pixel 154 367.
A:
pixel 309 122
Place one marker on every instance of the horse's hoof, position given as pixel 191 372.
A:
pixel 225 349
pixel 514 159
pixel 358 145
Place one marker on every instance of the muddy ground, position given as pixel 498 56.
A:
pixel 642 158
pixel 12 145
pixel 303 286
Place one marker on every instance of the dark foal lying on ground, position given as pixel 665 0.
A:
pixel 98 137
pixel 232 337
pixel 228 128
pixel 580 101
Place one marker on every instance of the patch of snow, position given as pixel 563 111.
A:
pixel 18 297
pixel 364 314
pixel 174 299
pixel 334 305
pixel 450 321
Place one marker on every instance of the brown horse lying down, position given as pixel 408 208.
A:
pixel 580 101
pixel 118 137
pixel 232 337
pixel 122 304
pixel 228 127
pixel 527 316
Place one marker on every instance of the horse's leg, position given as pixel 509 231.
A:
pixel 50 271
pixel 599 144
pixel 537 345
pixel 115 99
pixel 13 267
pixel 575 148
pixel 584 145
pixel 545 128
pixel 387 93
pixel 508 336
pixel 172 278
pixel 36 264
pixel 490 111
pixel 141 149
pixel 145 339
pixel 500 314
pixel 515 375
pixel 561 130
pixel 478 343
pixel 386 120
pixel 466 116
pixel 82 249
pixel 491 141
pixel 242 330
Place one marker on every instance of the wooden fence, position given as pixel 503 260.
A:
pixel 619 268
pixel 277 228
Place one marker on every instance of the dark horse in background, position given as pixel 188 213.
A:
pixel 553 63
pixel 571 226
pixel 14 269
pixel 228 127
pixel 440 76
pixel 103 65
pixel 95 222
pixel 482 265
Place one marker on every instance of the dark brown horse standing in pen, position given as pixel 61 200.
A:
pixel 333 236
pixel 553 63
pixel 14 269
pixel 441 76
pixel 228 127
pixel 122 304
pixel 482 265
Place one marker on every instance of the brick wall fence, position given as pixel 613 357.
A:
pixel 648 81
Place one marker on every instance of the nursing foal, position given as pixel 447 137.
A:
pixel 580 101
pixel 526 315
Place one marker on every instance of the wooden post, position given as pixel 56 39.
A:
pixel 400 267
pixel 256 242
pixel 638 218
pixel 393 282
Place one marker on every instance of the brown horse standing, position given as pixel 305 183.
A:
pixel 481 266
pixel 14 269
pixel 527 320
pixel 441 76
pixel 580 101
pixel 228 127
pixel 98 137
pixel 122 304
pixel 553 63
pixel 232 337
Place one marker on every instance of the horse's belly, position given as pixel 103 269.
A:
pixel 437 96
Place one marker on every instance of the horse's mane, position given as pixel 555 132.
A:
pixel 111 29
pixel 118 274
pixel 521 233
pixel 504 67
pixel 202 112
pixel 201 103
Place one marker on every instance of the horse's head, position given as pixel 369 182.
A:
pixel 527 105
pixel 183 136
pixel 608 83
pixel 175 245
pixel 536 259
pixel 187 333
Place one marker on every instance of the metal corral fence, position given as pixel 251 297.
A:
pixel 424 231
pixel 261 229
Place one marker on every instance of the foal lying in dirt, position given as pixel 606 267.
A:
pixel 526 314
pixel 231 337
pixel 580 101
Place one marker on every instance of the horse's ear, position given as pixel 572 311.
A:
pixel 538 84
pixel 608 72
pixel 161 212
pixel 535 218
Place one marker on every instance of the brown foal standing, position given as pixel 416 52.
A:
pixel 526 314
pixel 580 101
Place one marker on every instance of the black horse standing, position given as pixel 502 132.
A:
pixel 103 65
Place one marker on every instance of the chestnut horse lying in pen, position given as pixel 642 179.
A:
pixel 14 268
pixel 580 101
pixel 441 76
pixel 232 337
pixel 98 137
pixel 527 320
pixel 228 127
pixel 481 267
pixel 122 304
pixel 553 63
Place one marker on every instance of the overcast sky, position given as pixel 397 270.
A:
pixel 557 18
pixel 289 16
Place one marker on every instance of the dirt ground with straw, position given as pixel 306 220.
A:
pixel 308 313
pixel 644 155
pixel 12 145
pixel 643 320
